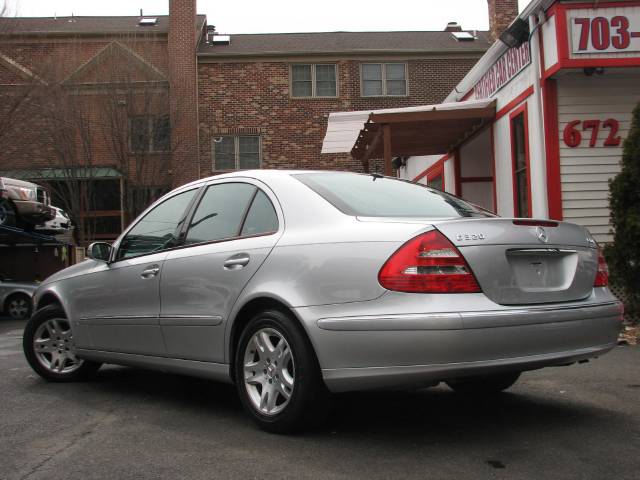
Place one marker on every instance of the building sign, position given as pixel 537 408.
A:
pixel 574 133
pixel 501 72
pixel 605 30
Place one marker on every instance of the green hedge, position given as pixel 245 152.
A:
pixel 623 255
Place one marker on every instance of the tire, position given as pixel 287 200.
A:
pixel 296 396
pixel 54 358
pixel 18 306
pixel 485 385
pixel 7 214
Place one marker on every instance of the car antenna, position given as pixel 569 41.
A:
pixel 376 176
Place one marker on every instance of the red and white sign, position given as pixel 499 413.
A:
pixel 605 30
pixel 501 72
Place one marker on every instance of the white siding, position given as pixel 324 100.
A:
pixel 584 170
pixel 549 42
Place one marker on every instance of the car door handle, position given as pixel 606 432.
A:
pixel 150 272
pixel 236 261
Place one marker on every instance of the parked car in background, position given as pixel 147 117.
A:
pixel 294 284
pixel 23 202
pixel 15 298
pixel 59 224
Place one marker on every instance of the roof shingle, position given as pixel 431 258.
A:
pixel 344 42
pixel 84 25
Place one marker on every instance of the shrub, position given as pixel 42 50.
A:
pixel 623 255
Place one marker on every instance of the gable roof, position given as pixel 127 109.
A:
pixel 116 51
pixel 274 44
pixel 18 70
pixel 86 25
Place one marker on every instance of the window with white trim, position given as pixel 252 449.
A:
pixel 383 79
pixel 314 80
pixel 236 152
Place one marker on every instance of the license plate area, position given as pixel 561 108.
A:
pixel 542 269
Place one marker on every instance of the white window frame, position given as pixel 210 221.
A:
pixel 313 80
pixel 236 151
pixel 384 79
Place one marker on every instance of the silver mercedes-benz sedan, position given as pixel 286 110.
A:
pixel 295 284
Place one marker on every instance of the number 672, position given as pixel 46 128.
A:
pixel 572 133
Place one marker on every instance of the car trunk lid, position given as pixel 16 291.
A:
pixel 524 261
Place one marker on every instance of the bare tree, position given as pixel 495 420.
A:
pixel 137 129
pixel 16 93
pixel 70 132
pixel 109 111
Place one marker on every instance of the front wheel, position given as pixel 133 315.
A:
pixel 277 374
pixel 485 385
pixel 50 349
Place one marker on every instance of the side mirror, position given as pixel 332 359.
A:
pixel 99 251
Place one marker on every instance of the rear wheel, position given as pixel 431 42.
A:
pixel 277 374
pixel 485 385
pixel 18 306
pixel 7 214
pixel 50 349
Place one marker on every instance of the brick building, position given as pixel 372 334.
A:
pixel 99 109
pixel 123 108
pixel 270 94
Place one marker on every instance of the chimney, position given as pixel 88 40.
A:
pixel 183 91
pixel 501 14
pixel 453 27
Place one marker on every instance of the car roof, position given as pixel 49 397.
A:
pixel 262 174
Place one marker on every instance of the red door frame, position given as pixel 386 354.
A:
pixel 522 110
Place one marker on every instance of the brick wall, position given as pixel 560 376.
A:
pixel 254 98
pixel 28 144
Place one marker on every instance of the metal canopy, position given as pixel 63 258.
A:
pixel 425 130
pixel 77 173
pixel 16 236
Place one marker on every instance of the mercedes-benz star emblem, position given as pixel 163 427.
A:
pixel 541 233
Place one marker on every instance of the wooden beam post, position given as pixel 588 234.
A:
pixel 386 144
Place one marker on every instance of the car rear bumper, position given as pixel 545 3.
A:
pixel 390 350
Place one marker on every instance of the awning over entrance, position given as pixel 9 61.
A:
pixel 78 173
pixel 14 236
pixel 410 131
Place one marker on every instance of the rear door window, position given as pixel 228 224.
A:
pixel 220 213
pixel 262 217
pixel 377 196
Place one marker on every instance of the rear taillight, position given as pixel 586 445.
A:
pixel 428 263
pixel 602 276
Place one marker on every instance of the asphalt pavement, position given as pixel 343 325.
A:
pixel 577 422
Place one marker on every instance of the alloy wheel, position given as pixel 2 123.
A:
pixel 269 371
pixel 18 308
pixel 54 347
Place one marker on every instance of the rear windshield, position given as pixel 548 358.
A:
pixel 377 196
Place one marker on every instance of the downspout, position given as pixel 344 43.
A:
pixel 538 173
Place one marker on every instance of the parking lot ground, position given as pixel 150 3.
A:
pixel 576 422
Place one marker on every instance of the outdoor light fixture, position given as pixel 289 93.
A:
pixel 516 34
pixel 398 162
